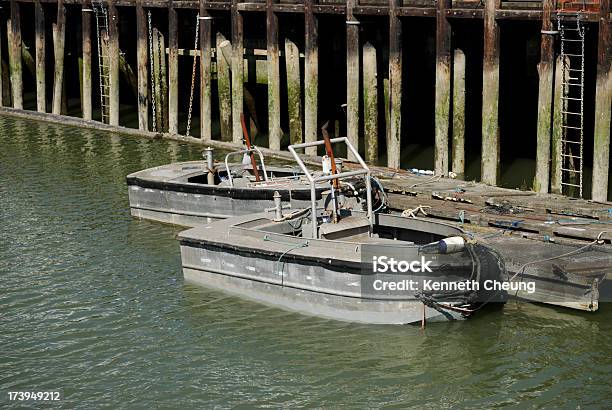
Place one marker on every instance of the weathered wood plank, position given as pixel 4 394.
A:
pixel 237 72
pixel 205 73
pixel 458 145
pixel 224 90
pixel 143 67
pixel 113 63
pixel 86 102
pixel 443 88
pixel 545 70
pixel 294 91
pixel 370 103
pixel 172 70
pixel 311 75
pixel 14 46
pixel 557 130
pixel 274 104
pixel 39 39
pixel 395 86
pixel 603 104
pixel 352 77
pixel 490 96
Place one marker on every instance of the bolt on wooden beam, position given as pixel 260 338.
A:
pixel 490 96
pixel 545 93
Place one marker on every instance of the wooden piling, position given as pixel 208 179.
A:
pixel 142 67
pixel 311 75
pixel 274 104
pixel 294 91
pixel 352 77
pixel 28 59
pixel 2 73
pixel 490 96
pixel 224 90
pixel 14 44
pixel 545 93
pixel 205 71
pixel 370 103
pixel 157 93
pixel 557 129
pixel 395 85
pixel 86 103
pixel 172 70
pixel 458 145
pixel 39 39
pixel 163 79
pixel 237 72
pixel 59 34
pixel 443 87
pixel 113 63
pixel 6 85
pixel 603 104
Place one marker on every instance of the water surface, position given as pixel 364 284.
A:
pixel 92 302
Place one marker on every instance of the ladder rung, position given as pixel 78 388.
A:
pixel 570 127
pixel 571 170
pixel 571 113
pixel 568 184
pixel 571 98
pixel 572 84
pixel 571 156
pixel 572 55
pixel 572 40
pixel 574 69
pixel 570 142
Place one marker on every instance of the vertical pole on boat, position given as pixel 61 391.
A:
pixel 330 153
pixel 210 175
pixel 247 141
pixel 423 318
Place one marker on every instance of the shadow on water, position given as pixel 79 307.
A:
pixel 93 302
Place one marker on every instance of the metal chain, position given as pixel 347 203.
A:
pixel 193 72
pixel 154 111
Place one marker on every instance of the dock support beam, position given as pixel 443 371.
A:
pixel 59 35
pixel 603 104
pixel 311 75
pixel 443 87
pixel 224 89
pixel 113 62
pixel 490 96
pixel 274 106
pixel 545 70
pixel 39 24
pixel 142 67
pixel 458 146
pixel 352 77
pixel 557 129
pixel 395 86
pixel 172 70
pixel 86 104
pixel 370 103
pixel 205 77
pixel 14 46
pixel 294 91
pixel 237 72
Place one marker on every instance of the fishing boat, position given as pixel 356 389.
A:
pixel 330 261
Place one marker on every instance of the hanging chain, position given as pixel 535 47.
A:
pixel 193 72
pixel 152 78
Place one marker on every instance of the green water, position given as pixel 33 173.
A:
pixel 92 302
